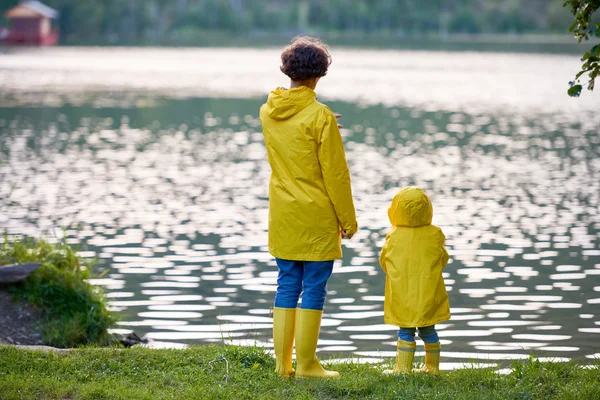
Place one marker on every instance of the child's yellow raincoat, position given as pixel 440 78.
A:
pixel 310 198
pixel 413 258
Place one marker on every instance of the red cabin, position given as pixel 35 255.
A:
pixel 30 24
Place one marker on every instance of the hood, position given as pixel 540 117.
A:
pixel 285 103
pixel 411 207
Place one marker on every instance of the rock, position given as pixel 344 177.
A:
pixel 131 340
pixel 44 348
pixel 16 272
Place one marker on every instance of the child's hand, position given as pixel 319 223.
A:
pixel 345 235
pixel 338 116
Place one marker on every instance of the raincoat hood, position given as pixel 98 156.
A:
pixel 411 207
pixel 285 103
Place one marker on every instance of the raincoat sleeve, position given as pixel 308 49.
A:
pixel 336 176
pixel 445 257
pixel 382 256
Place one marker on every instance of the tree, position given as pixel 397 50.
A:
pixel 583 28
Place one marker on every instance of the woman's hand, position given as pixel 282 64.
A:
pixel 345 235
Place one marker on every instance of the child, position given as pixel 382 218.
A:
pixel 413 258
pixel 310 204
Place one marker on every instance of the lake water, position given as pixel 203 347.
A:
pixel 153 161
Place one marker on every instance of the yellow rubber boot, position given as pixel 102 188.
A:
pixel 284 326
pixel 405 354
pixel 308 325
pixel 432 359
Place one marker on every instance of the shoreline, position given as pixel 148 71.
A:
pixel 551 43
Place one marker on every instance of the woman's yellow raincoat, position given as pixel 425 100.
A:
pixel 310 198
pixel 413 258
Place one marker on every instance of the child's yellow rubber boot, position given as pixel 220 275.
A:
pixel 432 359
pixel 284 326
pixel 405 354
pixel 308 325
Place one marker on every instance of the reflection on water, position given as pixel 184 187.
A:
pixel 173 199
pixel 468 81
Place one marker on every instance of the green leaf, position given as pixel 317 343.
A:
pixel 595 50
pixel 572 27
pixel 575 90
pixel 586 56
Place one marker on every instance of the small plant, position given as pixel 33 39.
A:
pixel 250 357
pixel 73 311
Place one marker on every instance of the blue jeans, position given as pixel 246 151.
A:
pixel 306 277
pixel 427 333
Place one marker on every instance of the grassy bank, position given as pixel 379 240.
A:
pixel 73 311
pixel 217 372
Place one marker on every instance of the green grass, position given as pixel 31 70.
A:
pixel 73 311
pixel 139 373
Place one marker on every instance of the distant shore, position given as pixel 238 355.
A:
pixel 537 43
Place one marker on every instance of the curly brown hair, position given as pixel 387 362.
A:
pixel 305 58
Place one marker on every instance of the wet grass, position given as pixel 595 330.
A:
pixel 73 311
pixel 229 372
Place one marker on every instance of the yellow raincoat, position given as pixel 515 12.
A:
pixel 310 198
pixel 413 258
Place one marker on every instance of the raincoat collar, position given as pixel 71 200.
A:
pixel 411 207
pixel 285 103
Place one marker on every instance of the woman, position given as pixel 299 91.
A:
pixel 311 206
